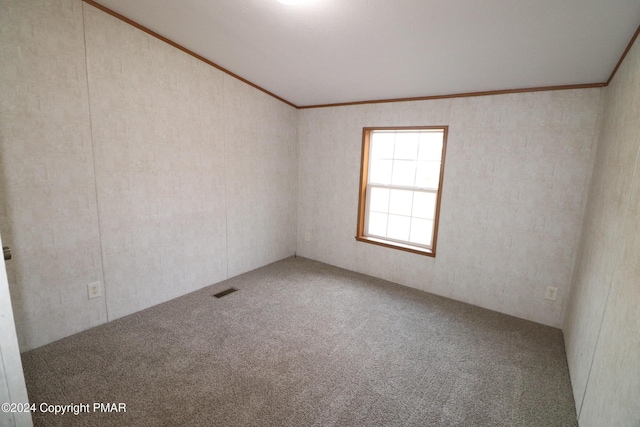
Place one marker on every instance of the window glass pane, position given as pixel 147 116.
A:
pixel 421 231
pixel 404 172
pixel 424 205
pixel 402 185
pixel 379 200
pixel 398 227
pixel 380 172
pixel 400 203
pixel 382 145
pixel 428 174
pixel 430 151
pixel 407 145
pixel 430 146
pixel 377 224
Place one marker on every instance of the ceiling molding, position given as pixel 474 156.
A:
pixel 380 101
pixel 624 54
pixel 184 49
pixel 460 95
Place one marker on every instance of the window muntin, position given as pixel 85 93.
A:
pixel 400 186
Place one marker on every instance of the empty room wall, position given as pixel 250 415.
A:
pixel 603 319
pixel 193 168
pixel 129 162
pixel 48 201
pixel 515 179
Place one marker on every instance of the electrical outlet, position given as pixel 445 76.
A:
pixel 307 237
pixel 551 293
pixel 94 289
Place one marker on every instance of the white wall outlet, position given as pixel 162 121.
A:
pixel 551 294
pixel 94 289
pixel 307 237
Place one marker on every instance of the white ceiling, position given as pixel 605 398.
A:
pixel 333 51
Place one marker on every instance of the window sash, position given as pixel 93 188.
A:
pixel 397 187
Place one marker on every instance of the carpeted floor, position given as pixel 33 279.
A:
pixel 303 343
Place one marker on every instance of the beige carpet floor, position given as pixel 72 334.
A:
pixel 303 343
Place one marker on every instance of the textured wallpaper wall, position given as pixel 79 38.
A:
pixel 262 174
pixel 603 319
pixel 514 187
pixel 48 212
pixel 131 163
pixel 158 132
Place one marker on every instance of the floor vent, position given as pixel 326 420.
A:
pixel 225 293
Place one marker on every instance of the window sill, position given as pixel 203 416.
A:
pixel 399 246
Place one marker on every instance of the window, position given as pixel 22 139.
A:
pixel 400 187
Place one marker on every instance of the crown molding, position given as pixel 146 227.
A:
pixel 624 54
pixel 377 101
pixel 460 95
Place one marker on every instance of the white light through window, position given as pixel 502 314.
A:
pixel 400 187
